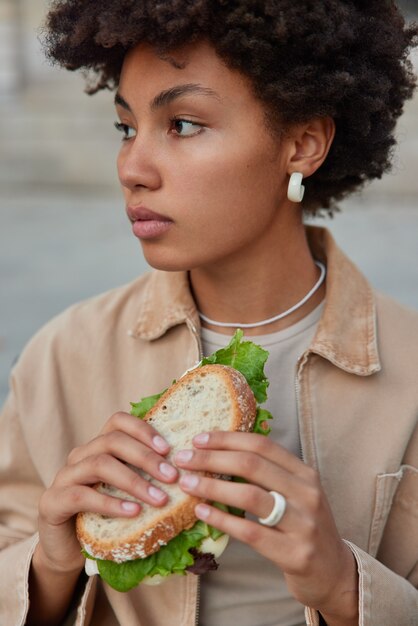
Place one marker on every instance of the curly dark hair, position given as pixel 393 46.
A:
pixel 347 59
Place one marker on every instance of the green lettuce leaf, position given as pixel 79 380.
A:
pixel 261 426
pixel 247 358
pixel 141 408
pixel 172 558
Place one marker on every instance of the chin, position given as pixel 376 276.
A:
pixel 176 258
pixel 166 262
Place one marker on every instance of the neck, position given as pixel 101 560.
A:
pixel 260 284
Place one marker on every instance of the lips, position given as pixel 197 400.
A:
pixel 147 224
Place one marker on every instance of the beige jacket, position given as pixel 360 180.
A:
pixel 357 389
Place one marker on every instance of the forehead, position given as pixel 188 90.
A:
pixel 148 70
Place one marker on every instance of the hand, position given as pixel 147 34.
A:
pixel 319 568
pixel 124 439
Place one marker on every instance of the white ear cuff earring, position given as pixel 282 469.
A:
pixel 296 190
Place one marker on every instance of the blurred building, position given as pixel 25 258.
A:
pixel 10 60
pixel 409 7
pixel 51 133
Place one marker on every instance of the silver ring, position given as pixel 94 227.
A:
pixel 277 512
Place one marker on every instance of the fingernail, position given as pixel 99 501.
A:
pixel 168 470
pixel 160 444
pixel 184 456
pixel 156 494
pixel 190 481
pixel 202 438
pixel 130 507
pixel 202 511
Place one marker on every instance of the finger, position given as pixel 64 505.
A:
pixel 248 465
pixel 65 503
pixel 139 429
pixel 290 554
pixel 251 498
pixel 129 450
pixel 267 541
pixel 104 468
pixel 251 442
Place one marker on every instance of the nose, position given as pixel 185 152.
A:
pixel 137 164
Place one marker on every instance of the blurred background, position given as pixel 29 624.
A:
pixel 64 235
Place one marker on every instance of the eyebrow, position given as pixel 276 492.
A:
pixel 169 95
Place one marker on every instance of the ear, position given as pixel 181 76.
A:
pixel 309 145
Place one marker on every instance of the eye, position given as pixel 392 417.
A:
pixel 185 128
pixel 128 131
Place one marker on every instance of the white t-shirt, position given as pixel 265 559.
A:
pixel 248 589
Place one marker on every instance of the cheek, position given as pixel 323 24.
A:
pixel 233 187
pixel 228 171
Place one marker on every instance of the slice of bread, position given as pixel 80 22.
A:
pixel 212 397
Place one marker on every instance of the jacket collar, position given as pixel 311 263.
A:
pixel 346 334
pixel 167 302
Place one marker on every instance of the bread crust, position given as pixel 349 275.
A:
pixel 145 539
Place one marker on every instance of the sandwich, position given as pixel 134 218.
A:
pixel 220 393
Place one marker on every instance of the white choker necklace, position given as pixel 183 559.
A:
pixel 276 317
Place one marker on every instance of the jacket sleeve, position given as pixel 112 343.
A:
pixel 20 490
pixel 385 597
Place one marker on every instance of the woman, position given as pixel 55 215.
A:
pixel 235 117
